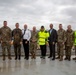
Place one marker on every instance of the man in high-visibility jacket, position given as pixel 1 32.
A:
pixel 43 41
pixel 74 44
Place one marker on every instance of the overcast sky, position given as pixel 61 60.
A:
pixel 38 12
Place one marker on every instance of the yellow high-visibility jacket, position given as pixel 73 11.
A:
pixel 74 37
pixel 43 37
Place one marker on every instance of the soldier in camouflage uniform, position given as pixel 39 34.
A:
pixel 60 42
pixel 5 33
pixel 68 43
pixel 17 33
pixel 33 43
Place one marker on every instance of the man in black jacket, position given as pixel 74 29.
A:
pixel 52 40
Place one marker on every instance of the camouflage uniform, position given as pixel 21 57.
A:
pixel 17 33
pixel 5 33
pixel 33 45
pixel 68 44
pixel 60 45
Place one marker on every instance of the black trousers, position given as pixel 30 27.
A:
pixel 26 48
pixel 43 50
pixel 52 50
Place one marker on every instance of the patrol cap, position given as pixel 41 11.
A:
pixel 42 26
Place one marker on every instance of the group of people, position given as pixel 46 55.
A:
pixel 64 39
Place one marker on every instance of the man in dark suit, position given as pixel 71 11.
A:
pixel 52 40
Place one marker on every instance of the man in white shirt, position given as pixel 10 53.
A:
pixel 26 35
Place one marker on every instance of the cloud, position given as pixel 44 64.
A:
pixel 38 12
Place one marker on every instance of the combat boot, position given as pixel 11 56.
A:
pixel 66 58
pixel 58 57
pixel 3 57
pixel 31 55
pixel 69 58
pixel 9 57
pixel 74 58
pixel 61 58
pixel 34 56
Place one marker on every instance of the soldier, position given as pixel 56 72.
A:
pixel 60 42
pixel 68 43
pixel 17 33
pixel 5 33
pixel 33 43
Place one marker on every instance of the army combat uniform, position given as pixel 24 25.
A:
pixel 68 44
pixel 33 44
pixel 5 33
pixel 60 43
pixel 17 33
